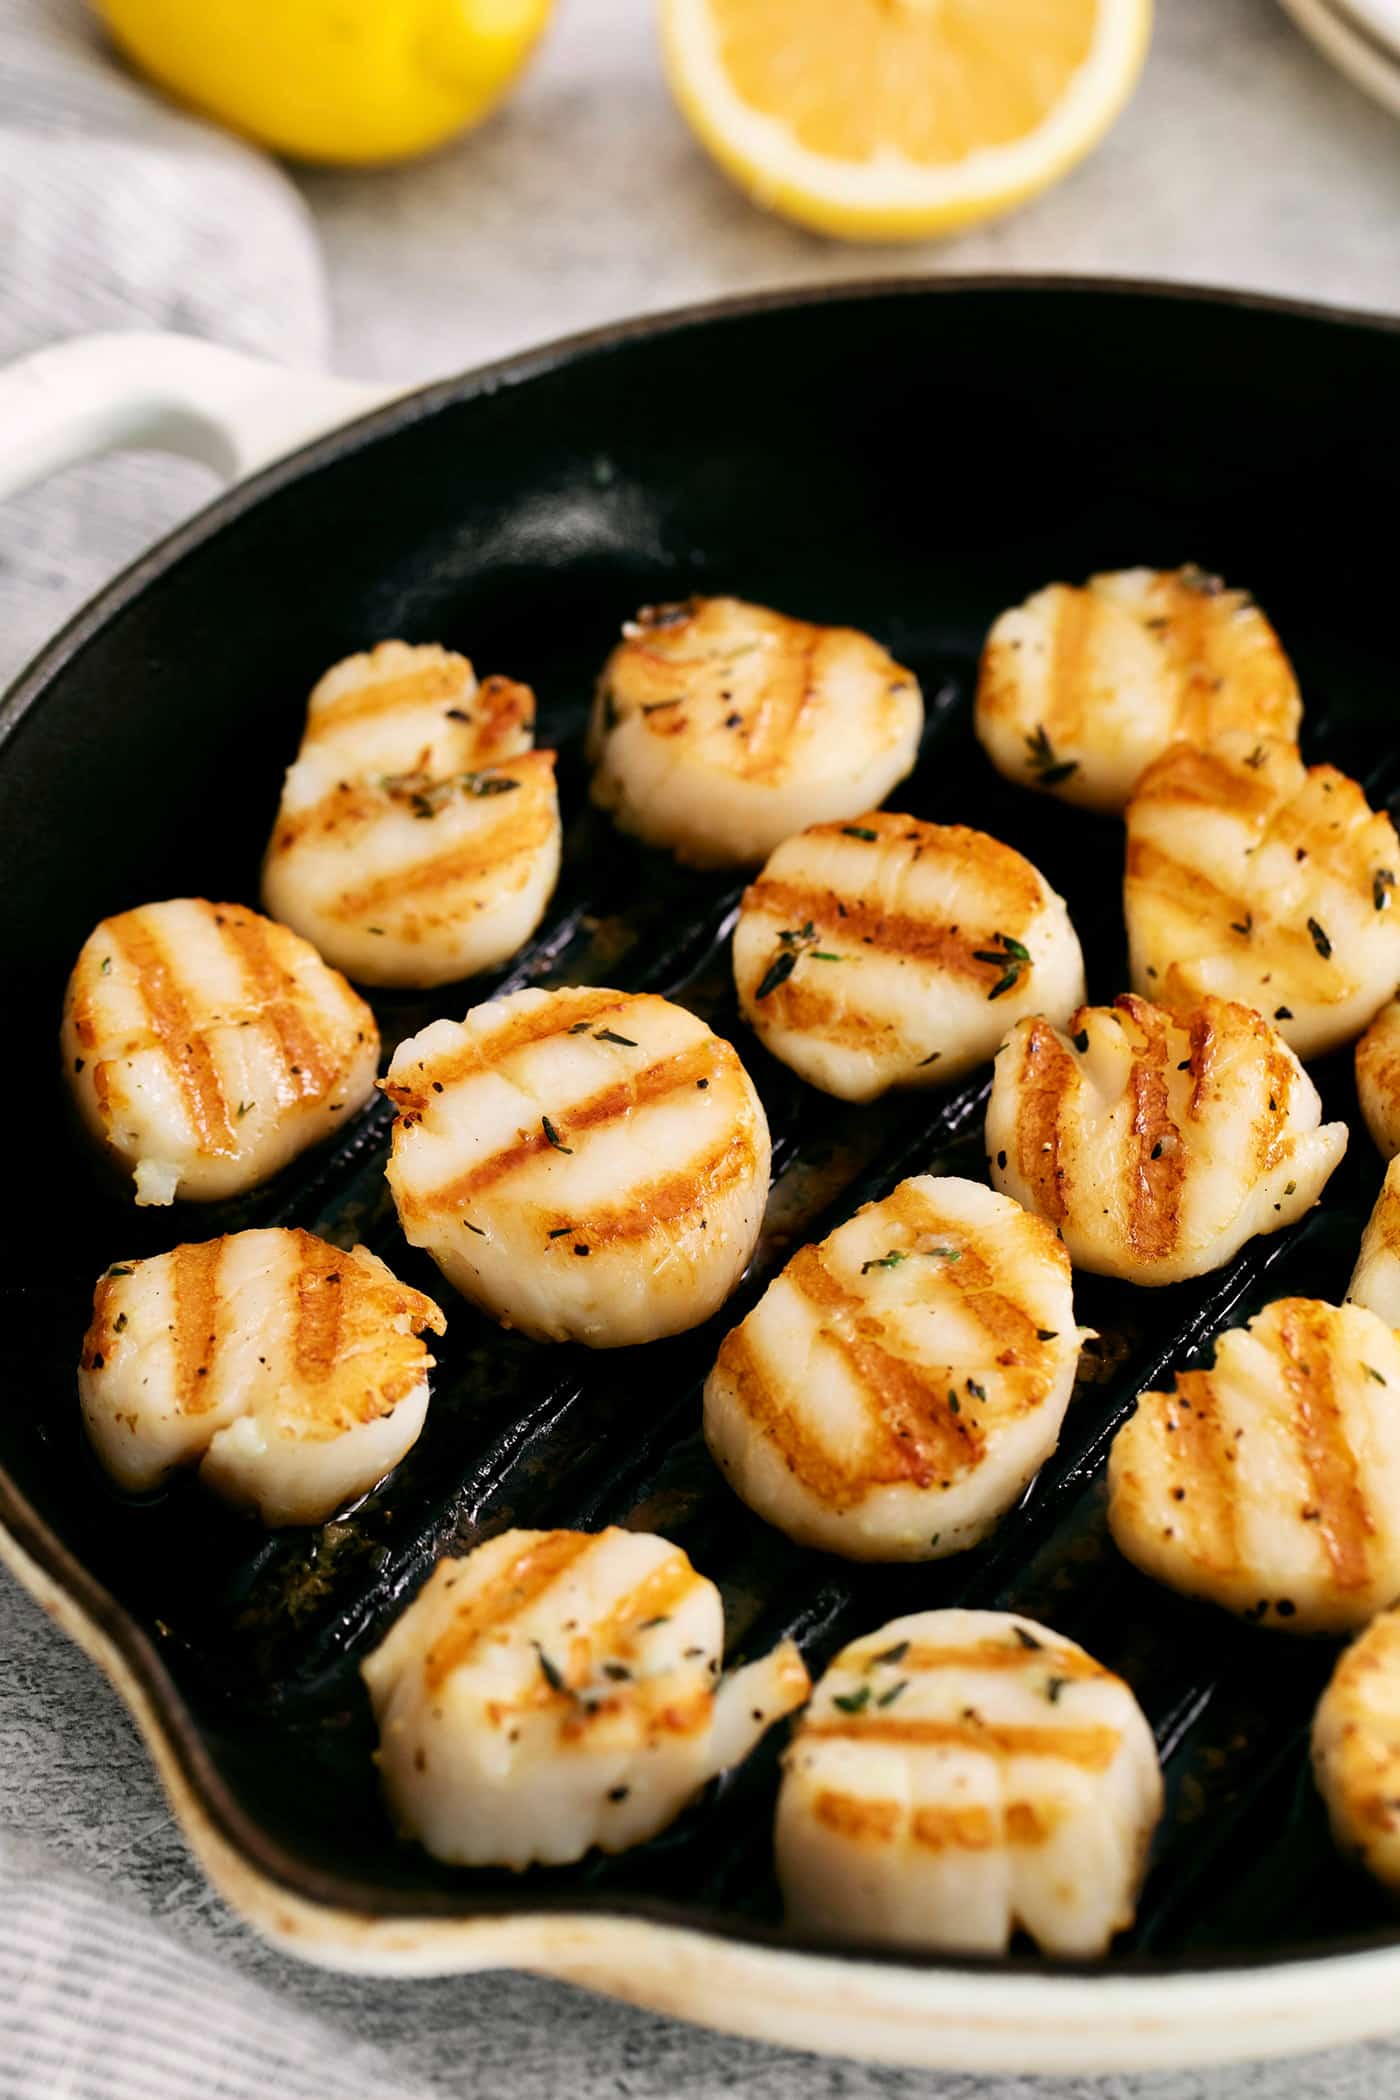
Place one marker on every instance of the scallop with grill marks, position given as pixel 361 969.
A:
pixel 1258 879
pixel 1375 1281
pixel 1158 1143
pixel 586 1165
pixel 288 1371
pixel 887 952
pixel 962 1774
pixel 720 728
pixel 556 1690
pixel 1081 688
pixel 898 1385
pixel 1271 1483
pixel 418 835
pixel 1378 1078
pixel 1356 1749
pixel 207 1046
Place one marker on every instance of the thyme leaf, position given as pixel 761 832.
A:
pixel 553 1136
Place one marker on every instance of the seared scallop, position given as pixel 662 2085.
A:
pixel 960 1775
pixel 207 1046
pixel 721 728
pixel 585 1165
pixel 1378 1078
pixel 896 1387
pixel 1081 688
pixel 887 952
pixel 556 1690
pixel 1270 1484
pixel 1254 877
pixel 287 1371
pixel 1375 1281
pixel 417 839
pixel 1356 1749
pixel 1158 1143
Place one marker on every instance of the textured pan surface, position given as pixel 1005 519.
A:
pixel 908 461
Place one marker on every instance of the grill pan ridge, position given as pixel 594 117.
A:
pixel 525 547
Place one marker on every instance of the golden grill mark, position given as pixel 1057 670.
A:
pixel 782 700
pixel 516 833
pixel 839 1486
pixel 921 1438
pixel 1192 1444
pixel 1079 614
pixel 1009 1328
pixel 1049 1078
pixel 659 1594
pixel 1159 1169
pixel 886 933
pixel 156 982
pixel 559 1014
pixel 644 1089
pixel 855 1817
pixel 194 1284
pixel 391 696
pixel 502 1599
pixel 1009 1654
pixel 974 1828
pixel 319 1284
pixel 1307 1332
pixel 312 1065
pixel 1094 1749
pixel 670 1197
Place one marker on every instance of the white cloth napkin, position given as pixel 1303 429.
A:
pixel 117 211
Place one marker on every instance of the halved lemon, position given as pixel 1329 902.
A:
pixel 895 119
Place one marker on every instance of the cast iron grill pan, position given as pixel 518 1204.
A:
pixel 152 769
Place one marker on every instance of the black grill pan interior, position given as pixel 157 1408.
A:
pixel 908 462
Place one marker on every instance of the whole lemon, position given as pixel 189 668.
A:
pixel 349 81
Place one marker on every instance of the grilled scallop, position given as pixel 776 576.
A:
pixel 1378 1078
pixel 962 1774
pixel 1255 878
pixel 1356 1749
pixel 1271 1483
pixel 585 1165
pixel 418 835
pixel 887 952
pixel 1375 1281
pixel 896 1387
pixel 721 728
pixel 1081 688
pixel 1158 1143
pixel 556 1690
pixel 207 1046
pixel 289 1372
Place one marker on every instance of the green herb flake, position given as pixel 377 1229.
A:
pixel 888 1698
pixel 1047 1334
pixel 1382 886
pixel 778 972
pixel 120 1268
pixel 244 1107
pixel 607 1035
pixel 479 1230
pixel 1010 956
pixel 896 1654
pixel 931 1059
pixel 1027 1640
pixel 553 1136
pixel 858 831
pixel 551 1672
pixel 1320 940
pixel 1256 758
pixel 978 1392
pixel 1370 1373
pixel 853 1702
pixel 891 1260
pixel 1080 1040
pixel 1053 1688
pixel 580 1028
pixel 1244 927
pixel 1047 768
pixel 663 1618
pixel 105 966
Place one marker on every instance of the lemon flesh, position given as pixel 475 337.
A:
pixel 896 119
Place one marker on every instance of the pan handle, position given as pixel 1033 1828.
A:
pixel 177 393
